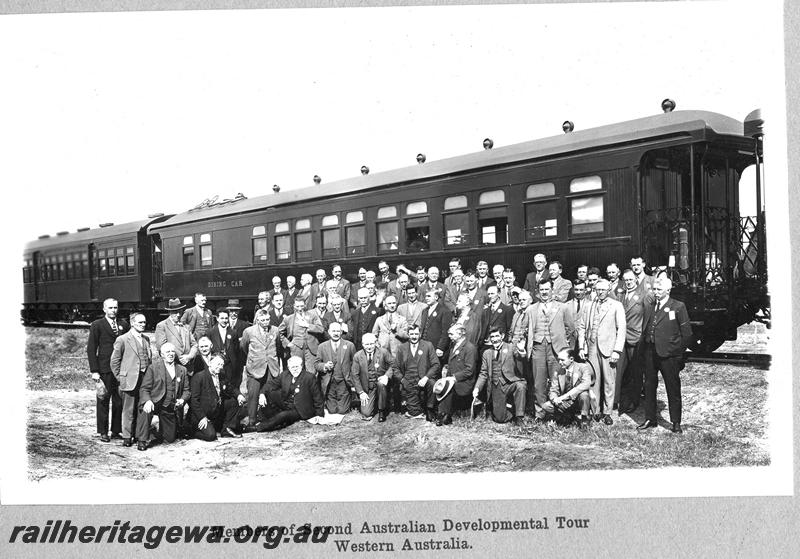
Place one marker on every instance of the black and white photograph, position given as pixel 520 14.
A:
pixel 397 254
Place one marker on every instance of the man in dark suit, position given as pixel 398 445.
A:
pixel 276 289
pixel 482 278
pixel 386 274
pixel 630 368
pixel 342 285
pixel 102 334
pixel 225 341
pixel 496 315
pixel 461 366
pixel 434 322
pixel 362 320
pixel 569 390
pixel 293 396
pixel 432 284
pixel 277 311
pixel 356 286
pixel 538 274
pixel 237 324
pixel 198 319
pixel 215 404
pixel 666 332
pixel 318 287
pixel 333 362
pixel 369 374
pixel 417 368
pixel 164 390
pixel 499 376
pixel 130 358
pixel 644 281
pixel 338 312
pixel 291 292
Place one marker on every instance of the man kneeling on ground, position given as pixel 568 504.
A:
pixel 215 408
pixel 569 390
pixel 293 396
pixel 164 390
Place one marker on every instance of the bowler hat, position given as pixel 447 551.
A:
pixel 174 305
pixel 233 305
pixel 443 386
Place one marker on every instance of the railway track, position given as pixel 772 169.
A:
pixel 760 360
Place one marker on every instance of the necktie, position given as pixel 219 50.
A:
pixel 114 327
pixel 413 349
pixel 497 354
pixel 335 348
pixel 579 305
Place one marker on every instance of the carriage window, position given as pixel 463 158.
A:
pixel 541 220
pixel 131 260
pixel 330 220
pixel 112 262
pixel 492 197
pixel 386 212
pixel 282 247
pixel 582 184
pixel 331 242
pixel 354 217
pixel 85 265
pixel 102 264
pixel 418 233
pixel 417 208
pixel 493 222
pixel 302 246
pixel 456 228
pixel 188 253
pixel 540 190
pixel 302 224
pixel 120 261
pixel 259 243
pixel 455 202
pixel 586 215
pixel 387 236
pixel 205 250
pixel 282 227
pixel 69 267
pixel 355 239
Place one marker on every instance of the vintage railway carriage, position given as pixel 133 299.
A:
pixel 665 187
pixel 68 276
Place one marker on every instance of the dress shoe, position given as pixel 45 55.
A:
pixel 228 432
pixel 585 421
pixel 439 421
pixel 607 419
pixel 418 416
pixel 598 417
pixel 116 436
pixel 517 421
pixel 676 428
pixel 430 415
pixel 382 416
pixel 648 424
pixel 105 438
pixel 141 446
pixel 447 419
pixel 127 442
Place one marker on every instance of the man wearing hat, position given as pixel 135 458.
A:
pixel 237 324
pixel 499 376
pixel 259 346
pixel 454 389
pixel 172 330
pixel 370 376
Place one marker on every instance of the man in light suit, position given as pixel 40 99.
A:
pixel 290 293
pixel 503 385
pixel 538 274
pixel 173 331
pixel 130 358
pixel 370 375
pixel 412 309
pixel 356 286
pixel 342 286
pixel 461 365
pixel 318 286
pixel 453 289
pixel 259 346
pixel 569 390
pixel 333 363
pixel 299 333
pixel 643 281
pixel 390 328
pixel 561 285
pixel 547 336
pixel 198 319
pixel 363 318
pixel 666 334
pixel 601 336
pixel 164 390
pixel 630 368
pixel 575 309
pixel 102 334
pixel 417 368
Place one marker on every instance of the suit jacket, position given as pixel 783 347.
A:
pixel 397 291
pixel 344 319
pixel 434 326
pixel 472 323
pixel 611 327
pixel 507 372
pixel 562 287
pixel 505 294
pixel 573 316
pixel 276 317
pixel 342 362
pixel 646 285
pixel 177 335
pixel 289 297
pixel 577 381
pixel 634 314
pixel 519 328
pixel 559 325
pixel 126 363
pixel 451 293
pixel 240 327
pixel 425 358
pixel 316 289
pixel 500 319
pixel 204 398
pixel 359 374
pixel 191 316
pixel 354 287
pixel 412 312
pixel 426 286
pixel 229 347
pixel 616 290
pixel 387 338
pixel 461 365
pixel 260 352
pixel 485 285
pixel 343 289
pixel 308 399
pixel 281 292
pixel 100 344
pixel 673 332
pixel 362 321
pixel 156 377
pixel 532 282
pixel 308 339
pixel 303 294
pixel 478 298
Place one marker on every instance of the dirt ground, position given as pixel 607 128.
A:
pixel 724 425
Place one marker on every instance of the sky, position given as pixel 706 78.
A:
pixel 111 117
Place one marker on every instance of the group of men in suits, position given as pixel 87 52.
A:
pixel 415 345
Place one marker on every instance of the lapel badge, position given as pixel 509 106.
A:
pixel 666 310
pixel 419 352
pixel 296 390
pixel 505 350
pixel 434 313
pixel 457 351
pixel 373 312
pixel 499 310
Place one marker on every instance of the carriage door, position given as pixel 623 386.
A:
pixel 92 276
pixel 38 272
pixel 157 266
